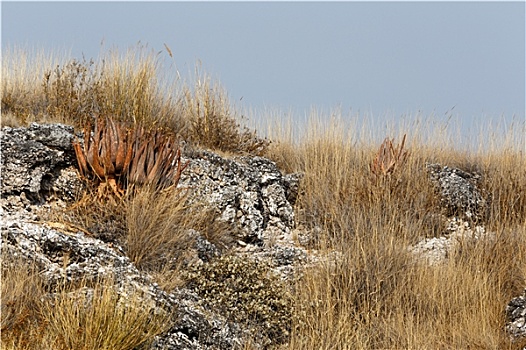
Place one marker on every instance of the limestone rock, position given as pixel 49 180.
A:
pixel 460 195
pixel 516 315
pixel 38 160
pixel 249 192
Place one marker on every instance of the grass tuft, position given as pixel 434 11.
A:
pixel 22 291
pixel 100 318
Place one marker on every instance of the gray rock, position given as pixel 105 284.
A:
pixel 63 256
pixel 249 192
pixel 516 317
pixel 286 259
pixel 459 192
pixel 38 160
pixel 433 250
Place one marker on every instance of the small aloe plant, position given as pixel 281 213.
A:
pixel 389 158
pixel 117 155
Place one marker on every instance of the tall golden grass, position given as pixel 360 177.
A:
pixel 100 318
pixel 133 86
pixel 377 295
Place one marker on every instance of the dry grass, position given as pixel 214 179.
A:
pixel 505 184
pixel 376 296
pixel 132 86
pixel 155 240
pixel 372 294
pixel 158 232
pixel 153 227
pixel 22 73
pixel 101 319
pixel 22 290
pixel 31 318
pixel 210 114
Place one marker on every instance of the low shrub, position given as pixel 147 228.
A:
pixel 245 291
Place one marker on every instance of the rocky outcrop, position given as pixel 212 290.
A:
pixel 250 193
pixel 459 192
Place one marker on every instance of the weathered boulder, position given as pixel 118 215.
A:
pixel 459 192
pixel 249 192
pixel 38 160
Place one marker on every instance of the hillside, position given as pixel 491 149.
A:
pixel 332 241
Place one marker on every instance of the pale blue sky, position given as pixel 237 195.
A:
pixel 384 58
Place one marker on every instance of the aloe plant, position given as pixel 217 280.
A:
pixel 118 154
pixel 388 158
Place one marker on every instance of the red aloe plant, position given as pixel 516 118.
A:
pixel 117 155
pixel 388 158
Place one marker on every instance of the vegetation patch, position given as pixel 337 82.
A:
pixel 117 155
pixel 246 292
pixel 127 86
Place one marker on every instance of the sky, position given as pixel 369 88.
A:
pixel 464 60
